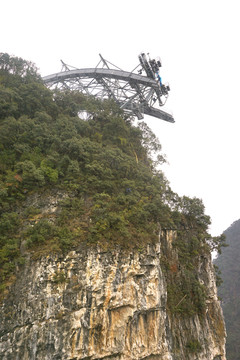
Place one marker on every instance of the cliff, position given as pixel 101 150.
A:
pixel 92 304
pixel 228 264
pixel 99 258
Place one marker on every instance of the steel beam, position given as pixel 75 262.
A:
pixel 133 92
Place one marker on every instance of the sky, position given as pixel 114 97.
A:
pixel 197 41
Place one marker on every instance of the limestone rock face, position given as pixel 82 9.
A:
pixel 92 304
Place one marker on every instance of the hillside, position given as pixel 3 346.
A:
pixel 228 263
pixel 69 187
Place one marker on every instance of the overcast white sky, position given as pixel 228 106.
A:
pixel 198 42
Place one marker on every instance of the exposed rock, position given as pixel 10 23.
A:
pixel 105 305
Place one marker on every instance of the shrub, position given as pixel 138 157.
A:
pixel 194 346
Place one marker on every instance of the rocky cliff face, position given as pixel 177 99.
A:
pixel 93 304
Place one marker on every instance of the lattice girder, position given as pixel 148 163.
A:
pixel 133 92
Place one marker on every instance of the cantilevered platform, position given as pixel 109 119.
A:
pixel 135 93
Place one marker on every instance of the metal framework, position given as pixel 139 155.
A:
pixel 135 93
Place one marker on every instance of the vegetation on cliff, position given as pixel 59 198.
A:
pixel 107 167
pixel 229 266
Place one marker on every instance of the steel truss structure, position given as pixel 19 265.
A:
pixel 135 93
